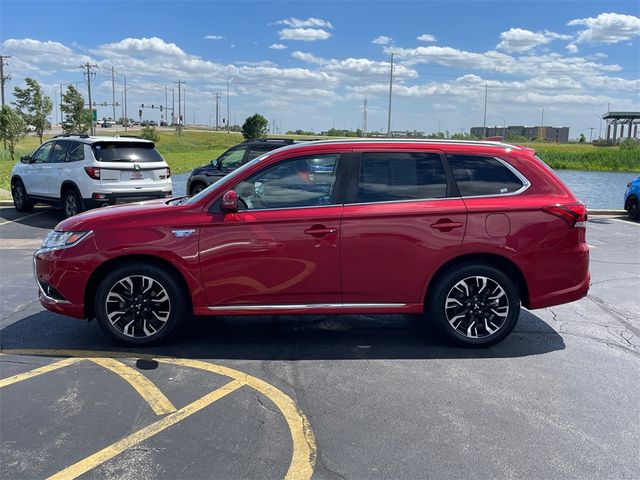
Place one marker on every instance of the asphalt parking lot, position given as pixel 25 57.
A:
pixel 356 397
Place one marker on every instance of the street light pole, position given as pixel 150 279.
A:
pixel 228 85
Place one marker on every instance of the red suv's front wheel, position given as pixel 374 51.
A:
pixel 139 304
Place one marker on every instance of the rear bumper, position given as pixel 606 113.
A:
pixel 567 295
pixel 104 199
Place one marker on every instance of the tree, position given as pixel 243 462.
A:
pixel 77 119
pixel 582 138
pixel 33 105
pixel 150 133
pixel 12 128
pixel 255 126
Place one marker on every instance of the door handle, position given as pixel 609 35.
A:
pixel 446 225
pixel 319 231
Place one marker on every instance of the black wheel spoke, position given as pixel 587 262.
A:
pixel 476 307
pixel 138 306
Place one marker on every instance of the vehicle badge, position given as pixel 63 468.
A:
pixel 183 233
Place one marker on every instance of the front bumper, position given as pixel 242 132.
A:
pixel 116 198
pixel 62 276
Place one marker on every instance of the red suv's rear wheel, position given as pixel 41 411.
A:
pixel 474 305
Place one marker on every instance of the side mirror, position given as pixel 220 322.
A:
pixel 25 159
pixel 230 201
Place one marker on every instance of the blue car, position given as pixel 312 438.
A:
pixel 632 198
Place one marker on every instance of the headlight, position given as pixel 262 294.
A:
pixel 56 239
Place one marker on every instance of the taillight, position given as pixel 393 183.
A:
pixel 93 172
pixel 168 172
pixel 574 214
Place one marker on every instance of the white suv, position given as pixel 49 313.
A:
pixel 82 172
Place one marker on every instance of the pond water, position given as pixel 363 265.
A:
pixel 595 189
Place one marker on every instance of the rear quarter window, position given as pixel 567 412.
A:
pixel 478 175
pixel 126 152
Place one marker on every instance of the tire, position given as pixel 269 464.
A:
pixel 153 304
pixel 21 200
pixel 468 303
pixel 633 208
pixel 197 188
pixel 72 203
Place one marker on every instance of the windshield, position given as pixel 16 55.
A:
pixel 225 179
pixel 126 152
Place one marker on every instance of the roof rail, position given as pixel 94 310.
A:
pixel 132 136
pixel 81 135
pixel 269 139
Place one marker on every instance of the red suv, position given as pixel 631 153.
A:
pixel 465 232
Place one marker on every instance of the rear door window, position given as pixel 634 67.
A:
pixel 479 176
pixel 258 150
pixel 232 159
pixel 75 152
pixel 125 152
pixel 395 176
pixel 59 153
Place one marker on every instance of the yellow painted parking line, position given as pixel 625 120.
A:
pixel 303 457
pixel 304 450
pixel 160 404
pixel 22 218
pixel 37 371
pixel 134 439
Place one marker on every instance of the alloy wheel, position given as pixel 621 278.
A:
pixel 138 306
pixel 71 206
pixel 18 193
pixel 476 307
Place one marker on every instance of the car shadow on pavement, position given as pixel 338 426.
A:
pixel 40 217
pixel 326 337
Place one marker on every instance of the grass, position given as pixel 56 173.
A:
pixel 194 148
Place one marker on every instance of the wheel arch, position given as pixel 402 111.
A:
pixel 502 263
pixel 195 181
pixel 66 185
pixel 99 273
pixel 632 196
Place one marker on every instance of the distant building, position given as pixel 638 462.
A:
pixel 544 133
pixel 406 134
pixel 630 120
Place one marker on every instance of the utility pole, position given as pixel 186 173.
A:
pixel 166 105
pixel 591 133
pixel 217 97
pixel 542 118
pixel 484 125
pixel 179 83
pixel 126 115
pixel 88 66
pixel 3 77
pixel 390 92
pixel 228 85
pixel 364 119
pixel 113 93
pixel 184 106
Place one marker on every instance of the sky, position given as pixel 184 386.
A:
pixel 310 64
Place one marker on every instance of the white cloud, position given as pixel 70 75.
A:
pixel 214 37
pixel 571 48
pixel 34 56
pixel 309 22
pixel 133 46
pixel 425 37
pixel 607 28
pixel 382 40
pixel 520 40
pixel 277 46
pixel 303 34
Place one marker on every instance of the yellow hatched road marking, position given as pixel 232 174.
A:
pixel 38 371
pixel 98 458
pixel 304 450
pixel 157 400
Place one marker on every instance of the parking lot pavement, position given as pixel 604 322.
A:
pixel 230 397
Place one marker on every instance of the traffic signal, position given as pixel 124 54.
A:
pixel 140 113
pixel 160 107
pixel 142 105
